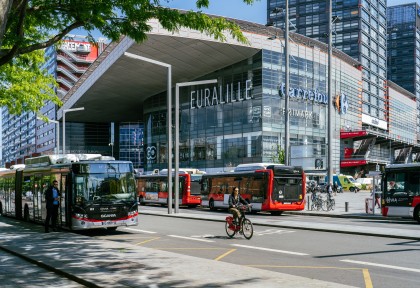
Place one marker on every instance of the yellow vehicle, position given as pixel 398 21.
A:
pixel 346 181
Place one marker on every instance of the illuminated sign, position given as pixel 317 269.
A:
pixel 205 98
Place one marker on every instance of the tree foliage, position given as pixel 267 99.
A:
pixel 277 155
pixel 29 24
pixel 25 85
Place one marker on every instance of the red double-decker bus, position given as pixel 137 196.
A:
pixel 275 188
pixel 153 189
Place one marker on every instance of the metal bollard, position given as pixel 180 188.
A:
pixel 309 199
pixel 346 206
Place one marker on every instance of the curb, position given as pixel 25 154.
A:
pixel 51 268
pixel 347 216
pixel 298 228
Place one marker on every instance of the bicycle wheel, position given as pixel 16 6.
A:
pixel 229 231
pixel 324 205
pixel 247 229
pixel 332 204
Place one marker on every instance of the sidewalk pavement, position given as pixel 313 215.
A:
pixel 356 207
pixel 16 273
pixel 349 228
pixel 102 263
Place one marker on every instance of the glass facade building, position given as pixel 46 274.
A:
pixel 360 33
pixel 241 119
pixel 404 49
pixel 131 141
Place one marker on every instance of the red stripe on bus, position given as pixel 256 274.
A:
pixel 93 220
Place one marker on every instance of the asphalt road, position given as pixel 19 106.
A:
pixel 400 224
pixel 319 255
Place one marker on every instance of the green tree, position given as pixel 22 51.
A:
pixel 277 156
pixel 27 26
pixel 24 85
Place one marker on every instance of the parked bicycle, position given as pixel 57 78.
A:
pixel 329 203
pixel 244 227
pixel 317 204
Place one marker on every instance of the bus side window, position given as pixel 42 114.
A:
pixel 414 189
pixel 204 186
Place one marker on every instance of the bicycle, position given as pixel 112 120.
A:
pixel 330 203
pixel 245 225
pixel 317 204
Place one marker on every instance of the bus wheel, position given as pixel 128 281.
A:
pixel 417 214
pixel 276 213
pixel 111 228
pixel 351 189
pixel 211 205
pixel 141 201
pixel 26 214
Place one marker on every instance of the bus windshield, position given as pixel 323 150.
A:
pixel 112 188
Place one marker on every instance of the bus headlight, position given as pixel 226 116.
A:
pixel 81 215
pixel 132 213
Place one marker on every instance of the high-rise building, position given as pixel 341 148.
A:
pixel 360 33
pixel 404 49
pixel 23 135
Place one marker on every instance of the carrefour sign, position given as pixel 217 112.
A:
pixel 316 97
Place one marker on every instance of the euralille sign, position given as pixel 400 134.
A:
pixel 205 97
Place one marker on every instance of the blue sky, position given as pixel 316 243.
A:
pixel 229 8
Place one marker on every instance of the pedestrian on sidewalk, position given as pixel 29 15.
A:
pixel 335 188
pixel 53 197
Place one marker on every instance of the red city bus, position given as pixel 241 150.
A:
pixel 275 189
pixel 154 189
pixel 401 191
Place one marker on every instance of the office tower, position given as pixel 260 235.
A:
pixel 404 49
pixel 360 33
pixel 23 135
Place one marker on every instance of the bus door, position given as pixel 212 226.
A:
pixel 37 198
pixel 8 197
pixel 287 189
pixel 63 201
pixel 44 187
pixel 396 194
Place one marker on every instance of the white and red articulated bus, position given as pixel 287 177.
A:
pixel 96 191
pixel 274 188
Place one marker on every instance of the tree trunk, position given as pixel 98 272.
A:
pixel 5 6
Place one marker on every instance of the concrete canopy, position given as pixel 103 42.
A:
pixel 118 95
pixel 115 87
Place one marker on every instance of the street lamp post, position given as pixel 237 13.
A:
pixel 57 123
pixel 330 104
pixel 64 125
pixel 287 82
pixel 176 180
pixel 168 120
pixel 112 148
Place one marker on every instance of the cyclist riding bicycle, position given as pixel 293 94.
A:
pixel 234 202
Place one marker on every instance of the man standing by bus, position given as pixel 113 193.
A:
pixel 52 196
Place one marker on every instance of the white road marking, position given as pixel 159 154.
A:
pixel 272 231
pixel 196 239
pixel 144 231
pixel 202 236
pixel 271 250
pixel 382 265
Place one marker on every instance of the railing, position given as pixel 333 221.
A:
pixel 77 58
pixel 65 82
pixel 71 65
pixel 67 73
pixel 390 136
pixel 62 91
